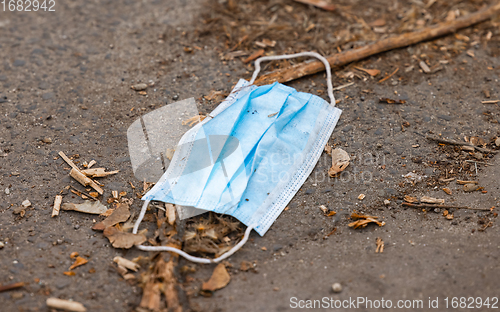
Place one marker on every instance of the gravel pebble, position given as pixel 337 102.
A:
pixel 336 287
pixel 7 191
pixel 26 203
pixel 140 86
pixel 1 245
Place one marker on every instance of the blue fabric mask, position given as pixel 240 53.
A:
pixel 251 155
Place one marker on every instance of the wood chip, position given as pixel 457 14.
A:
pixel 462 182
pixel 66 305
pixel 219 279
pixel 490 102
pixel 424 67
pixel 447 190
pixel 380 245
pixel 431 200
pixel 170 213
pixel 84 180
pixel 57 205
pixel 98 172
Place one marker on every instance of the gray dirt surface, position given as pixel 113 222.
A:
pixel 66 75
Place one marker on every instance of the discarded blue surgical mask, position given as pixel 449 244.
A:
pixel 250 156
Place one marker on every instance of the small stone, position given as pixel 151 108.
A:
pixel 387 202
pixel 26 203
pixel 77 226
pixel 48 96
pixel 7 191
pixel 361 196
pixel 336 287
pixel 471 187
pixel 175 97
pixel 19 63
pixel 437 210
pixel 1 245
pixel 497 141
pixel 47 140
pixel 139 86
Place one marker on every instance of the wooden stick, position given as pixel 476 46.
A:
pixel 443 206
pixel 66 305
pixel 401 41
pixel 452 142
pixel 11 286
pixel 68 161
pixel 77 174
pixel 57 206
pixel 84 180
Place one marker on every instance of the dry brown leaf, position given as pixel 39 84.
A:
pixel 410 199
pixel 151 296
pixel 378 23
pixel 328 149
pixel 447 190
pixel 219 279
pixel 69 273
pixel 120 214
pixel 126 263
pixel 340 161
pixel 371 72
pixel 391 101
pixel 92 207
pixel 213 95
pixel 78 262
pixel 120 239
pixel 363 220
pixel 476 141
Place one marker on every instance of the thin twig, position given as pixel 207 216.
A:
pixel 452 142
pixel 11 286
pixel 343 86
pixel 84 193
pixel 443 206
pixel 478 162
pixel 387 77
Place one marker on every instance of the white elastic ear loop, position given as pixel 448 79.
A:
pixel 182 253
pixel 289 56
